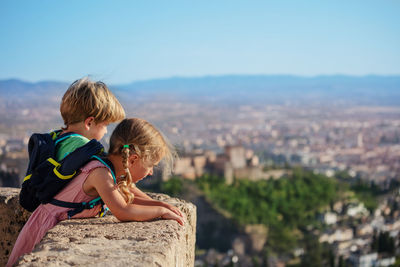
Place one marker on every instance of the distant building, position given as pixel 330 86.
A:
pixel 354 210
pixel 235 162
pixel 341 234
pixel 364 230
pixel 199 163
pixel 236 156
pixel 184 167
pixel 371 260
pixel 329 218
pixel 360 142
pixel 385 262
pixel 364 260
pixel 338 207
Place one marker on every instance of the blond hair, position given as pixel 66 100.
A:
pixel 137 136
pixel 85 98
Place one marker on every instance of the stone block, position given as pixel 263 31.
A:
pixel 108 242
pixel 12 219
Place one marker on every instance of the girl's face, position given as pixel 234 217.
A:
pixel 140 169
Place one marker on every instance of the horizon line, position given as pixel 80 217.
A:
pixel 209 76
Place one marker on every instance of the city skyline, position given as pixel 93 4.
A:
pixel 125 42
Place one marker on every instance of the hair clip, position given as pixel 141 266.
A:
pixel 126 146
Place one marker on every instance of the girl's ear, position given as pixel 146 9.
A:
pixel 133 158
pixel 89 122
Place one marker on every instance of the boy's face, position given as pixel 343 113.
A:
pixel 97 130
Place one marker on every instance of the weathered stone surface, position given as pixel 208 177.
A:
pixel 12 219
pixel 108 242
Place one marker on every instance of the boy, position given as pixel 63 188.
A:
pixel 87 108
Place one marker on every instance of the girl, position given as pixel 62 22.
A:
pixel 136 147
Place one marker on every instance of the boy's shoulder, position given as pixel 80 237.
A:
pixel 69 145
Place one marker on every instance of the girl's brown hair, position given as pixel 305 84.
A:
pixel 137 136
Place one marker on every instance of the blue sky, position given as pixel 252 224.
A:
pixel 124 41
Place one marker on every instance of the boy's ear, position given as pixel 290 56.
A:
pixel 88 122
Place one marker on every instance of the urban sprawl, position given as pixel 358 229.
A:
pixel 256 142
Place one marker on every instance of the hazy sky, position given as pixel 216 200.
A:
pixel 124 41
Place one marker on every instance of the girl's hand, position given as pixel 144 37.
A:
pixel 169 215
pixel 173 209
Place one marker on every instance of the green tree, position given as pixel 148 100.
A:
pixel 172 187
pixel 285 205
pixel 312 252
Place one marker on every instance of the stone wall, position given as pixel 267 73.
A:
pixel 12 218
pixel 108 242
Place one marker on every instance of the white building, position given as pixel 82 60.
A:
pixel 329 218
pixel 336 235
pixel 366 260
pixel 357 209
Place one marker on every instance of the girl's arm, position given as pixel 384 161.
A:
pixel 100 180
pixel 140 195
pixel 152 202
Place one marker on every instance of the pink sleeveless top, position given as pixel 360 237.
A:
pixel 46 216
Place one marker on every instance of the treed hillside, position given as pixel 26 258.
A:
pixel 294 200
pixel 287 207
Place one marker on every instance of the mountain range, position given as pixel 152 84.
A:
pixel 278 89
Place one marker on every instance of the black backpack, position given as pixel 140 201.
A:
pixel 45 177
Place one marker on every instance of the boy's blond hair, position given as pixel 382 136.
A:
pixel 85 98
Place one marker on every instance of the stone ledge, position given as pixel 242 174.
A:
pixel 108 242
pixel 12 219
